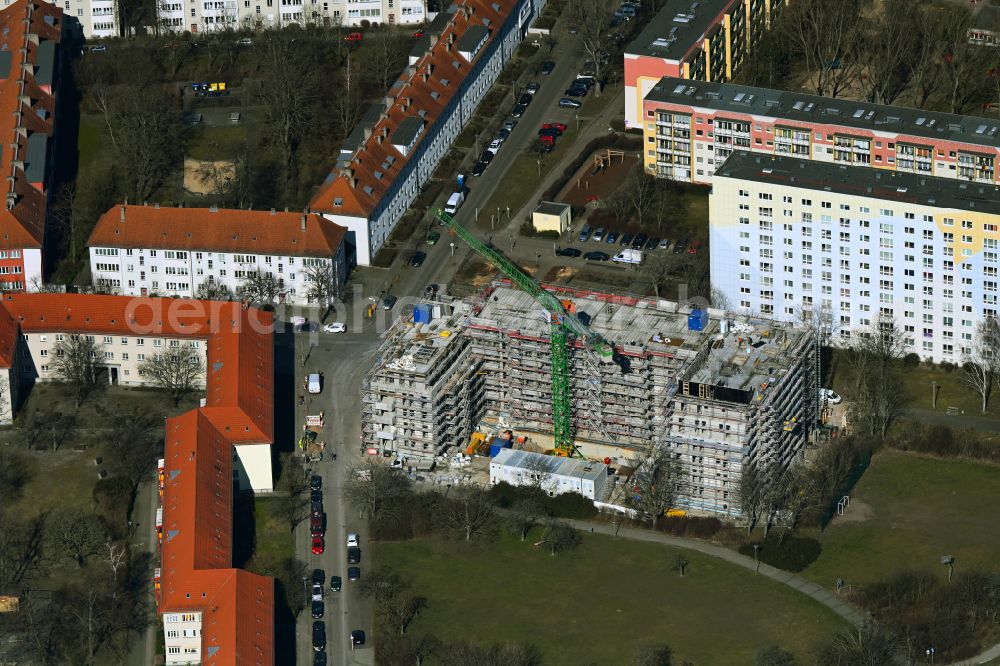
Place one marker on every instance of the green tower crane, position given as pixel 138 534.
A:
pixel 564 324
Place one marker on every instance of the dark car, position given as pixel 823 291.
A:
pixel 612 238
pixel 551 131
pixel 357 637
pixel 568 252
pixel 319 658
pixel 353 555
pixel 567 103
pixel 353 573
pixel 652 243
pixel 430 291
pixel 319 636
pixel 316 482
pixel 597 256
pixel 588 81
pixel 533 88
pixel 518 110
pixel 479 168
pixel 639 241
pixel 487 157
pixel 547 67
pixel 576 91
pixel 317 525
pixel 626 240
pixel 316 507
pixel 525 99
pixel 559 127
pixel 417 259
pixel 335 583
pixel 315 495
pixel 319 576
pixel 680 245
pixel 388 302
pixel 317 610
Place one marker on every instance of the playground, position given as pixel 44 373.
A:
pixel 598 177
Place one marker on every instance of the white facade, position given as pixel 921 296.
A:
pixel 779 247
pixel 180 273
pixel 552 474
pixel 182 637
pixel 252 464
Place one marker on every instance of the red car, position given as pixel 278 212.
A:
pixel 418 33
pixel 694 247
pixel 353 37
pixel 547 140
pixel 318 545
pixel 316 525
pixel 561 127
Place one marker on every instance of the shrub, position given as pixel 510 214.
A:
pixel 566 505
pixel 695 527
pixel 114 502
pixel 792 554
pixel 948 367
pixel 911 360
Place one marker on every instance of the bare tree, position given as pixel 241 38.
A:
pixel 292 509
pixel 653 654
pixel 74 362
pixel 886 52
pixel 680 564
pixel 825 33
pixel 469 514
pixel 926 63
pixel 964 64
pixel 21 541
pixel 524 515
pixel 560 536
pixel 591 18
pixel 656 481
pixel 211 290
pixel 323 284
pixel 772 655
pixel 74 534
pixel 259 287
pixel 347 105
pixel 176 370
pixel 130 439
pixel 371 488
pixel 870 644
pixel 750 492
pixel 641 190
pixel 384 57
pixel 658 268
pixel 981 365
pixel 873 356
pixel 392 597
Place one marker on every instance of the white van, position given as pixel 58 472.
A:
pixel 455 202
pixel 314 383
pixel 629 257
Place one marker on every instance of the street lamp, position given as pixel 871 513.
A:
pixel 453 249
pixel 756 557
pixel 949 561
pixel 930 654
pixel 578 122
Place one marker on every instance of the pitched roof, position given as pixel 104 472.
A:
pixel 26 113
pixel 424 92
pixel 218 230
pixel 197 546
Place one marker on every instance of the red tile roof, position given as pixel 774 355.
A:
pixel 25 109
pixel 217 230
pixel 361 185
pixel 197 546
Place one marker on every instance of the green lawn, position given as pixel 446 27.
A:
pixel 216 143
pixel 65 478
pixel 593 603
pixel 917 509
pixel 89 142
pixel 274 541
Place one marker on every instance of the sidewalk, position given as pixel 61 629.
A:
pixel 823 596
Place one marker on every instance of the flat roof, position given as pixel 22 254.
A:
pixel 676 28
pixel 551 208
pixel 862 181
pixel 987 18
pixel 537 462
pixel 792 106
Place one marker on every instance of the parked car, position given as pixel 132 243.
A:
pixel 335 327
pixel 576 91
pixel 567 103
pixel 626 239
pixel 503 134
pixel 518 110
pixel 597 256
pixel 525 99
pixel 388 302
pixel 416 259
pixel 315 482
pixel 316 525
pixel 487 157
pixel 664 244
pixel 317 610
pixel 353 37
pixel 319 636
pixel 547 67
pixel 357 638
pixel 639 241
pixel 317 507
pixel 335 583
pixel 318 577
pixel 319 658
pixel 317 545
pixel 612 238
pixel 353 573
pixel 494 146
pixel 562 127
pixel 568 252
pixel 352 538
pixel 430 291
pixel 419 33
pixel 584 80
pixel 479 168
pixel 599 235
pixel 509 124
pixel 680 245
pixel 695 244
pixel 354 555
pixel 316 495
pixel 652 243
pixel 830 396
pixel 551 132
pixel 533 88
pixel 433 237
pixel 585 233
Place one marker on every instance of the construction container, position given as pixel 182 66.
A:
pixel 498 445
pixel 422 314
pixel 698 319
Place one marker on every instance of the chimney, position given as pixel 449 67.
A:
pixel 272 211
pixel 122 217
pixel 303 222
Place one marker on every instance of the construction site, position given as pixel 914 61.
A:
pixel 716 391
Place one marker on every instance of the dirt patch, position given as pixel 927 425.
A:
pixel 591 182
pixel 559 273
pixel 207 177
pixel 856 512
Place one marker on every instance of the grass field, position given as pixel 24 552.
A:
pixel 89 141
pixel 274 541
pixel 216 143
pixel 595 603
pixel 906 512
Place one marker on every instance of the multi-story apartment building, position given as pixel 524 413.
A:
pixel 154 250
pixel 985 30
pixel 715 392
pixel 790 236
pixel 98 18
pixel 29 71
pixel 702 40
pixel 381 171
pixel 690 127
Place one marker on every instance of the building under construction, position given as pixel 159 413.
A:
pixel 716 391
